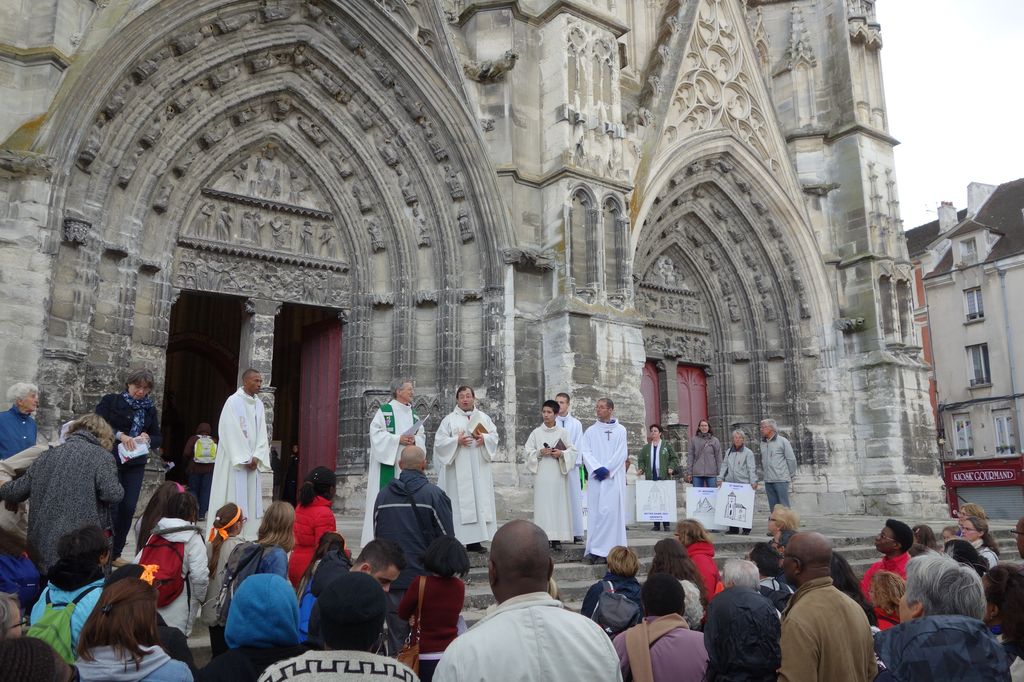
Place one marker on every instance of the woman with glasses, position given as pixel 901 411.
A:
pixel 975 530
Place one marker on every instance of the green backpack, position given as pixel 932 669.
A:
pixel 54 627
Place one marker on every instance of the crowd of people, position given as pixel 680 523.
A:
pixel 282 597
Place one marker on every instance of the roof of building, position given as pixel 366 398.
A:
pixel 1003 215
pixel 920 237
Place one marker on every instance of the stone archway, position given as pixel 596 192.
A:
pixel 725 282
pixel 310 152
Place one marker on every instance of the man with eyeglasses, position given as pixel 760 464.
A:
pixel 825 634
pixel 892 542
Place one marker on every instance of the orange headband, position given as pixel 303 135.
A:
pixel 223 530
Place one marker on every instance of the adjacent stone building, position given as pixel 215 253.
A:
pixel 692 203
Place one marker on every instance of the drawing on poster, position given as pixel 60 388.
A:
pixel 705 506
pixel 655 500
pixel 734 511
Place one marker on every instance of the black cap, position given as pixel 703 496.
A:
pixel 352 603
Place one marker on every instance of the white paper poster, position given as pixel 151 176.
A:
pixel 700 505
pixel 735 505
pixel 656 501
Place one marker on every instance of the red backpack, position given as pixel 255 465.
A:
pixel 169 558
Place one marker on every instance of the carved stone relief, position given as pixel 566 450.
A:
pixel 221 273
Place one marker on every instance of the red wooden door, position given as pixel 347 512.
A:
pixel 651 392
pixel 692 386
pixel 319 387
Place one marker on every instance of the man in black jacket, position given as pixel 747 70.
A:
pixel 742 630
pixel 412 512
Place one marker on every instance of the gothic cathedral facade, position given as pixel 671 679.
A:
pixel 688 206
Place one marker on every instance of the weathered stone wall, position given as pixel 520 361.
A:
pixel 529 197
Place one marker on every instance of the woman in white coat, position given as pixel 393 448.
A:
pixel 738 466
pixel 178 526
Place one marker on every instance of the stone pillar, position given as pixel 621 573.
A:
pixel 670 408
pixel 256 350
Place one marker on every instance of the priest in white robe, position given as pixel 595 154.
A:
pixel 243 454
pixel 387 440
pixel 464 447
pixel 551 457
pixel 574 481
pixel 604 454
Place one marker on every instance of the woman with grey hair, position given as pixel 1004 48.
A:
pixel 71 485
pixel 17 427
pixel 12 625
pixel 133 417
pixel 738 466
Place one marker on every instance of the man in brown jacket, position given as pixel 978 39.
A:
pixel 825 634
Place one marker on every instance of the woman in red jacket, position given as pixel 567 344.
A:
pixel 443 595
pixel 699 546
pixel 313 518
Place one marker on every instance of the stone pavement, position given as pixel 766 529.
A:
pixel 853 536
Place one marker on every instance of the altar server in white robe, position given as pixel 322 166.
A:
pixel 392 420
pixel 604 454
pixel 551 456
pixel 464 447
pixel 243 454
pixel 573 481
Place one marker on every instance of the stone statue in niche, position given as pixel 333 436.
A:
pixel 376 235
pixel 408 189
pixel 251 226
pixel 419 223
pixel 734 310
pixel 240 172
pixel 454 183
pixel 412 106
pixel 225 221
pixel 769 309
pixel 281 231
pixel 360 113
pixel 465 228
pixel 298 189
pixel 711 260
pixel 750 258
pixel 201 223
pixel 327 241
pixel 362 197
pixel 312 131
pixel 341 165
pixel 306 237
pixel 762 286
pixel 436 148
pixel 773 228
pixel 386 149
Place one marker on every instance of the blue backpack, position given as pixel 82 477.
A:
pixel 18 575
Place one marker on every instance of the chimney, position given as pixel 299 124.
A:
pixel 977 194
pixel 947 216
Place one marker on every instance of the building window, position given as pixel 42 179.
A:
pixel 968 251
pixel 973 304
pixel 977 364
pixel 1005 443
pixel 964 442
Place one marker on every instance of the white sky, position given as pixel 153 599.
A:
pixel 954 88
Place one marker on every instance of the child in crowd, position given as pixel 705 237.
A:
pixel 155 510
pixel 224 537
pixel 175 539
pixel 443 593
pixel 276 536
pixel 887 589
pixel 76 578
pixel 329 542
pixel 313 518
pixel 120 640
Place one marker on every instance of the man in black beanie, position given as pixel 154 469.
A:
pixel 352 611
pixel 28 659
pixel 892 542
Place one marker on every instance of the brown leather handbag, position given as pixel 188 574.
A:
pixel 410 653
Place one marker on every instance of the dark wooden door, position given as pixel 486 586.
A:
pixel 651 391
pixel 319 386
pixel 692 387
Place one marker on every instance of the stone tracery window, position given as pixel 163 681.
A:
pixel 583 240
pixel 616 227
